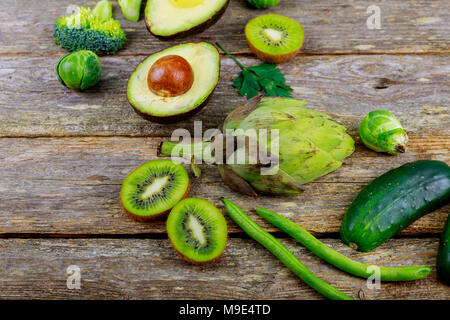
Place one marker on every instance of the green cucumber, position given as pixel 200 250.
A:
pixel 393 201
pixel 443 260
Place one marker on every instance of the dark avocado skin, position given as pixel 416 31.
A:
pixel 443 259
pixel 194 30
pixel 173 118
pixel 393 201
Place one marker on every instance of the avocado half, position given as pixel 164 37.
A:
pixel 205 63
pixel 165 20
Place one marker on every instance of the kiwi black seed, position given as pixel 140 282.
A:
pixel 153 189
pixel 197 230
pixel 274 38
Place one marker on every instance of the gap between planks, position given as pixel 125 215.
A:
pixel 138 269
pixel 163 236
pixel 248 54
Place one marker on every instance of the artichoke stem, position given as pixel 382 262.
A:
pixel 198 150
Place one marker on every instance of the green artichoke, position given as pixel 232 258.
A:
pixel 381 131
pixel 309 146
pixel 103 10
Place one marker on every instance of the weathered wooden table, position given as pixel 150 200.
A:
pixel 63 154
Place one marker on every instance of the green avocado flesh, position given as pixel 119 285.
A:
pixel 205 63
pixel 170 17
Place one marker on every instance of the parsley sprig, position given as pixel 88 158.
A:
pixel 264 77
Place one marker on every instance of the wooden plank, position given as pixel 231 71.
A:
pixel 415 88
pixel 150 269
pixel 331 26
pixel 70 186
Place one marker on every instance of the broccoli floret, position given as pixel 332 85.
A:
pixel 85 31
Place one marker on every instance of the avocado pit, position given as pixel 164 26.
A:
pixel 170 76
pixel 201 65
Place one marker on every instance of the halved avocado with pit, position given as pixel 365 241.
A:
pixel 176 18
pixel 204 60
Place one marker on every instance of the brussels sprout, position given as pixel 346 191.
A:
pixel 381 131
pixel 79 70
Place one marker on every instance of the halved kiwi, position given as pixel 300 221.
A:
pixel 274 38
pixel 153 189
pixel 197 230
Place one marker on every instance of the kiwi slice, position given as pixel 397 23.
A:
pixel 274 38
pixel 197 230
pixel 153 189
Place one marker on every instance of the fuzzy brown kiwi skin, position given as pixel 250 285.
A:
pixel 271 58
pixel 176 117
pixel 153 216
pixel 274 58
pixel 194 30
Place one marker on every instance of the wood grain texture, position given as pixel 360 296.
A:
pixel 149 269
pixel 415 88
pixel 64 154
pixel 331 26
pixel 71 186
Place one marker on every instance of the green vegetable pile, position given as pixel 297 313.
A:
pixel 310 145
pixel 88 31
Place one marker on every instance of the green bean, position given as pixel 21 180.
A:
pixel 335 258
pixel 281 252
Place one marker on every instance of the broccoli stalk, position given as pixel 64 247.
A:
pixel 85 30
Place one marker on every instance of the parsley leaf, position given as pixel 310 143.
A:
pixel 264 77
